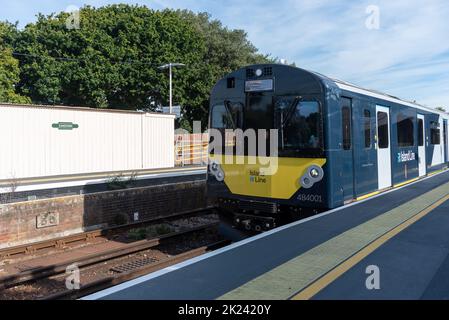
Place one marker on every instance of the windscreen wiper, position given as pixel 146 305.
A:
pixel 227 106
pixel 291 110
pixel 284 120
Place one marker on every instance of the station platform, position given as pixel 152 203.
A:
pixel 402 233
pixel 67 185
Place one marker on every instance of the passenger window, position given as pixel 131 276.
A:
pixel 435 133
pixel 405 131
pixel 435 136
pixel 420 133
pixel 382 130
pixel 367 125
pixel 346 126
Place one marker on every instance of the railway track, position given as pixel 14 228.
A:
pixel 118 279
pixel 62 242
pixel 91 261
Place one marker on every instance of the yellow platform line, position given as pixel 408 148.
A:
pixel 435 172
pixel 375 193
pixel 334 274
pixel 405 183
pixel 369 195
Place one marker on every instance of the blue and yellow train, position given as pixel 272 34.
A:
pixel 337 143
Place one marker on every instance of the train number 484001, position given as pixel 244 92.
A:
pixel 310 198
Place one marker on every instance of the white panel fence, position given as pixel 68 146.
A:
pixel 40 141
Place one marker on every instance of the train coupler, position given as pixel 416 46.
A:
pixel 254 223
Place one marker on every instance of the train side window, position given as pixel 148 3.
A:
pixel 435 136
pixel 346 126
pixel 435 133
pixel 367 125
pixel 420 132
pixel 382 130
pixel 405 130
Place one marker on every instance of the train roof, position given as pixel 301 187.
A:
pixel 344 85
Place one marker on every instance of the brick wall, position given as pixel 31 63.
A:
pixel 18 221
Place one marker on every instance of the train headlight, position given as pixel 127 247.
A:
pixel 214 167
pixel 306 183
pixel 217 171
pixel 314 173
pixel 220 176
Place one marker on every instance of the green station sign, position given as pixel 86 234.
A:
pixel 65 126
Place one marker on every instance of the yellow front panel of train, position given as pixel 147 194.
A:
pixel 277 178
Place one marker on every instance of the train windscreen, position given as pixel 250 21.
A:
pixel 299 123
pixel 259 111
pixel 227 115
pixel 297 120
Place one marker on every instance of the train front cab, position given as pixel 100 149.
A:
pixel 269 97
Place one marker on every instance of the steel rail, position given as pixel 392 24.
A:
pixel 110 281
pixel 53 270
pixel 90 235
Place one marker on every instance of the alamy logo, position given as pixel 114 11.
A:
pixel 373 20
pixel 73 20
pixel 235 146
pixel 373 280
pixel 72 281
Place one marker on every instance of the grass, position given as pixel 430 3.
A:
pixel 150 232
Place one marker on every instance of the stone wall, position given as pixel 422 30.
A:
pixel 30 221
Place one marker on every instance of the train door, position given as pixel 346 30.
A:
pixel 421 145
pixel 383 147
pixel 445 140
pixel 347 174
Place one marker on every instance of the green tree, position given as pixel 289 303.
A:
pixel 9 66
pixel 111 60
pixel 226 51
pixel 442 109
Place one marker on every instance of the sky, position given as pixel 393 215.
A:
pixel 399 47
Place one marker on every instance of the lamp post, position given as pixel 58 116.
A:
pixel 170 66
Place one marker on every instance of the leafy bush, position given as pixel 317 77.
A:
pixel 119 182
pixel 150 232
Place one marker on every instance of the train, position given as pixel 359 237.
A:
pixel 335 143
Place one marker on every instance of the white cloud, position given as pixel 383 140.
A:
pixel 408 56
